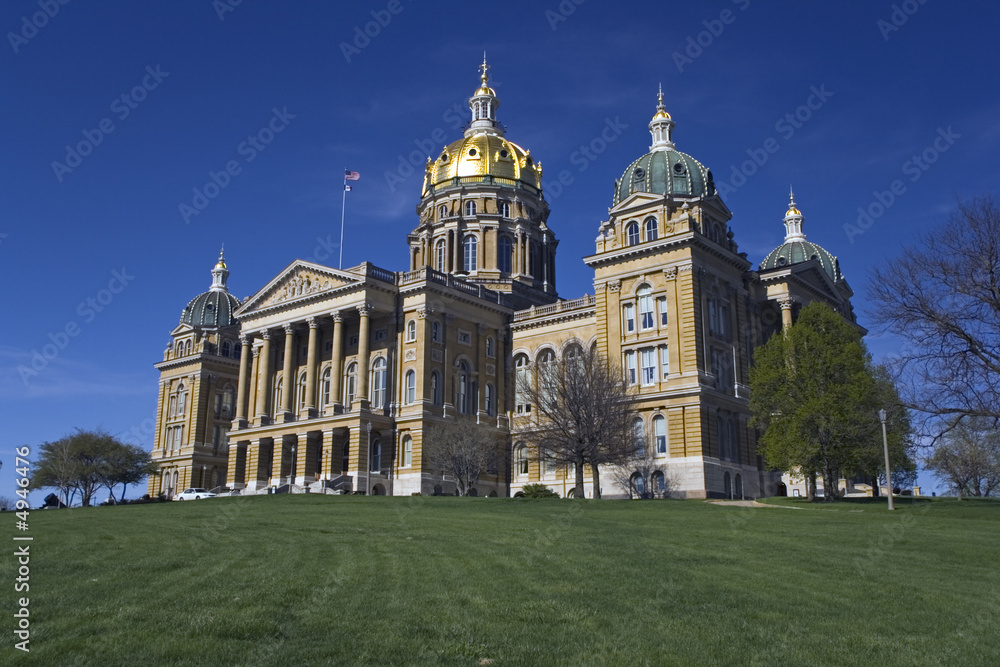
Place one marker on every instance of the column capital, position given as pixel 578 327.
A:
pixel 244 339
pixel 337 315
pixel 312 322
pixel 670 273
pixel 614 285
pixel 265 334
pixel 365 309
pixel 785 302
pixel 501 335
pixel 481 328
pixel 423 312
pixel 289 328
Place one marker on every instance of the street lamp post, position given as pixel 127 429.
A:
pixel 885 446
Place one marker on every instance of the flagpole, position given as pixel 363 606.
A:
pixel 343 207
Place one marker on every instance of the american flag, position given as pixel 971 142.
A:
pixel 351 176
pixel 347 188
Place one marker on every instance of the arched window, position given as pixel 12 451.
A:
pixel 638 485
pixel 738 487
pixel 279 388
pixel 645 298
pixel 439 255
pixel 546 356
pixel 411 331
pixel 226 348
pixel 470 246
pixel 660 433
pixel 490 348
pixel 659 482
pixel 407 451
pixel 378 383
pixel 470 208
pixel 345 452
pixel 181 399
pixel 411 387
pixel 436 332
pixel 436 387
pixel 350 383
pixel 715 233
pixel 651 229
pixel 503 208
pixel 443 211
pixel 376 457
pixel 727 488
pixel 522 380
pixel 228 399
pixel 462 388
pixel 300 393
pixel 632 233
pixel 639 435
pixel 521 460
pixel 505 256
pixel 326 387
pixel 490 399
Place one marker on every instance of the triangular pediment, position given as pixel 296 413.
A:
pixel 637 200
pixel 300 280
pixel 182 329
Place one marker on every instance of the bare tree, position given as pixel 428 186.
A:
pixel 57 467
pixel 581 414
pixel 640 474
pixel 462 448
pixel 942 298
pixel 968 458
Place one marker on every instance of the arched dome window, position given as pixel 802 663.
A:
pixel 439 255
pixel 470 208
pixel 470 246
pixel 651 233
pixel 632 233
pixel 505 256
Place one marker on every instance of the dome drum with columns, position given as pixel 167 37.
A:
pixel 338 374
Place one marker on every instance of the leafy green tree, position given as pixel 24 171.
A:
pixel 968 458
pixel 815 395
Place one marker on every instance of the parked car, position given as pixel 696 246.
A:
pixel 194 494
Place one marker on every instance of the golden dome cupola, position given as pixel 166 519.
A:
pixel 793 220
pixel 661 127
pixel 483 104
pixel 220 273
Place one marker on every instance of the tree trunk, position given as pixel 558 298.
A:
pixel 596 474
pixel 579 478
pixel 811 487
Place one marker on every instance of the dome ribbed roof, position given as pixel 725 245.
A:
pixel 665 172
pixel 480 156
pixel 796 252
pixel 212 309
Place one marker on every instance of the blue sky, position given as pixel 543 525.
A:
pixel 115 113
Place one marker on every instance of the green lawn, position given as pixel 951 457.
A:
pixel 298 580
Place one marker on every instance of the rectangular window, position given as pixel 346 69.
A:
pixel 648 366
pixel 380 335
pixel 664 362
pixel 661 305
pixel 218 405
pixel 629 318
pixel 352 341
pixel 464 337
pixel 646 312
pixel 630 372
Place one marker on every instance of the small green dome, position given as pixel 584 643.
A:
pixel 211 309
pixel 796 252
pixel 665 172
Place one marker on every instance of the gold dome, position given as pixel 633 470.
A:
pixel 793 211
pixel 480 155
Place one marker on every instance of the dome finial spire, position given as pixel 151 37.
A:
pixel 793 220
pixel 484 103
pixel 220 273
pixel 661 126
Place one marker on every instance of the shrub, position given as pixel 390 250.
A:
pixel 538 491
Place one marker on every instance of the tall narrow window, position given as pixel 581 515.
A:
pixel 629 311
pixel 631 375
pixel 226 348
pixel 300 398
pixel 490 400
pixel 462 388
pixel 650 229
pixel 645 307
pixel 218 405
pixel 376 457
pixel 639 434
pixel 279 394
pixel 632 232
pixel 664 362
pixel 648 356
pixel 504 209
pixel 471 247
pixel 350 383
pixel 407 451
pixel 378 383
pixel 228 399
pixel 326 387
pixel 470 208
pixel 521 460
pixel 661 305
pixel 505 256
pixel 411 387
pixel 181 398
pixel 660 433
pixel 522 380
pixel 439 255
pixel 443 211
pixel 490 349
pixel 436 332
pixel 411 331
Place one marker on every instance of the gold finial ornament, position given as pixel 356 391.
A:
pixel 221 264
pixel 792 209
pixel 484 89
pixel 661 109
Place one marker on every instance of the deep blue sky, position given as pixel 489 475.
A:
pixel 560 82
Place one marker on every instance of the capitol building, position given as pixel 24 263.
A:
pixel 329 380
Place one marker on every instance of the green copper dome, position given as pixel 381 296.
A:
pixel 214 308
pixel 796 252
pixel 665 172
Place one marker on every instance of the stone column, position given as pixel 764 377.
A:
pixel 448 373
pixel 527 255
pixel 501 363
pixel 364 310
pixel 481 331
pixel 236 473
pixel 516 263
pixel 241 388
pixel 288 375
pixel 305 460
pixel 264 380
pixel 336 373
pixel 786 312
pixel 312 369
pixel 281 462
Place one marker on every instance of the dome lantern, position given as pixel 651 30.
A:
pixel 484 103
pixel 661 127
pixel 793 221
pixel 220 273
pixel 797 250
pixel 214 308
